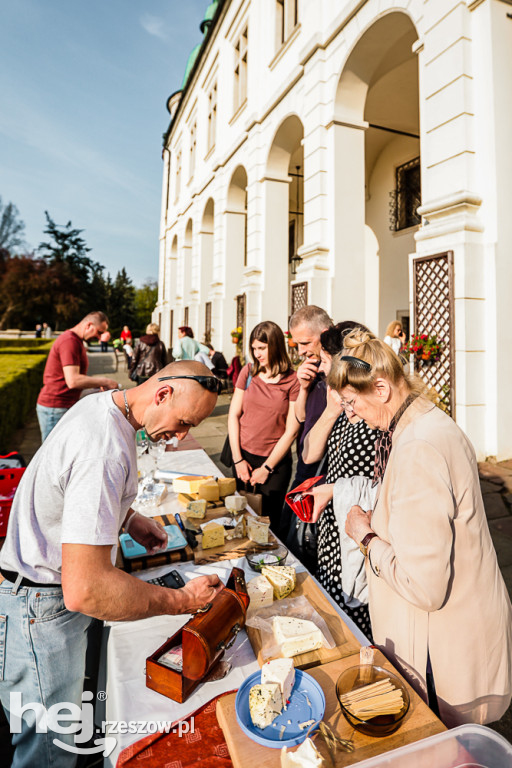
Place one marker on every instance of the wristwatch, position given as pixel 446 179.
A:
pixel 363 545
pixel 269 469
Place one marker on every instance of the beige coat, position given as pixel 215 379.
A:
pixel 439 590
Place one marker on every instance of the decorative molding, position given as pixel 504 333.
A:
pixel 361 125
pixel 418 45
pixel 453 213
pixel 285 46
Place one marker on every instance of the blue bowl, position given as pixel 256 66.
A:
pixel 307 702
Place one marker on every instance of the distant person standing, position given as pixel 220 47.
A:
pixel 39 330
pixel 187 347
pixel 126 336
pixel 395 337
pixel 104 340
pixel 65 373
pixel 47 331
pixel 150 354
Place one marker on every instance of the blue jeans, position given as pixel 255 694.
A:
pixel 48 418
pixel 42 657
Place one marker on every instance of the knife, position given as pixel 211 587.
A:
pixel 188 534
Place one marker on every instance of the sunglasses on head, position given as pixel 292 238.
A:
pixel 211 383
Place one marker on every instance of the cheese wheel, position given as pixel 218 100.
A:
pixel 227 485
pixel 209 490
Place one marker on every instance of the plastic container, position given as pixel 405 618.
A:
pixel 468 746
pixel 9 481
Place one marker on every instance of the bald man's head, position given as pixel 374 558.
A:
pixel 175 405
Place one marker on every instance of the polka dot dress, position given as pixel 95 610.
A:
pixel 350 451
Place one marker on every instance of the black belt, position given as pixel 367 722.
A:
pixel 12 577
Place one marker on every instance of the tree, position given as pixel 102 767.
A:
pixel 120 300
pixel 12 228
pixel 77 277
pixel 145 300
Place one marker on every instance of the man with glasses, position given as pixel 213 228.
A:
pixel 59 554
pixel 65 373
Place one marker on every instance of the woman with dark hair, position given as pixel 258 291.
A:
pixel 186 348
pixel 262 424
pixel 350 446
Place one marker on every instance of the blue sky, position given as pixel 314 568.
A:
pixel 83 89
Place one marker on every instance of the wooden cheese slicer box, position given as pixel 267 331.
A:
pixel 203 641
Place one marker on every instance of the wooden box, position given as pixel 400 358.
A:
pixel 204 639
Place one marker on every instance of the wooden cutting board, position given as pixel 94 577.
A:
pixel 230 549
pixel 141 563
pixel 346 643
pixel 418 723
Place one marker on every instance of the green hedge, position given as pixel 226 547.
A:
pixel 21 378
pixel 23 341
pixel 21 349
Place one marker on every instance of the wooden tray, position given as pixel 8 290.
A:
pixel 153 561
pixel 230 549
pixel 346 643
pixel 418 723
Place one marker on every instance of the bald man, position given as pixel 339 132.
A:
pixel 59 553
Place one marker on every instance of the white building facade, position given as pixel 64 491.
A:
pixel 353 154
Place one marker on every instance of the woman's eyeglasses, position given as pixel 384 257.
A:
pixel 211 383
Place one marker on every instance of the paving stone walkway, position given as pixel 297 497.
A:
pixel 495 479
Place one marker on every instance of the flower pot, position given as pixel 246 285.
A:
pixel 235 339
pixel 292 344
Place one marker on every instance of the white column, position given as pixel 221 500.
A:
pixel 275 273
pixel 347 220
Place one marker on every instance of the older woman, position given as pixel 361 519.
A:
pixel 438 604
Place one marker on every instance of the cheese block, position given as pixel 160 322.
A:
pixel 265 704
pixel 257 530
pixel 282 672
pixel 235 503
pixel 296 636
pixel 306 756
pixel 213 535
pixel 188 483
pixel 227 485
pixel 209 490
pixel 236 531
pixel 196 509
pixel 260 591
pixel 282 578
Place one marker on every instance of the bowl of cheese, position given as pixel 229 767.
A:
pixel 258 557
pixel 372 699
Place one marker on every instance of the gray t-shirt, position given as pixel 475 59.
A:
pixel 77 489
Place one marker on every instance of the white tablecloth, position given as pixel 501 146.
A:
pixel 128 644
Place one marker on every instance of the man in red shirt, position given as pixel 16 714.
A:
pixel 65 373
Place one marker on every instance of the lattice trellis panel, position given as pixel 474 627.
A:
pixel 208 322
pixel 434 313
pixel 299 296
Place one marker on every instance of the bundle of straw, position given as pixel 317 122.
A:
pixel 381 698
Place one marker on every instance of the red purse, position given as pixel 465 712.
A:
pixel 301 503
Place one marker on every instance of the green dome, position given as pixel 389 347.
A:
pixel 190 64
pixel 208 16
pixel 204 27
